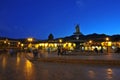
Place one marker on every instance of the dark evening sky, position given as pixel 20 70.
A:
pixel 39 18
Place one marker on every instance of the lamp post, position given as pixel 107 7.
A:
pixel 107 39
pixel 6 43
pixel 90 44
pixel 60 41
pixel 30 41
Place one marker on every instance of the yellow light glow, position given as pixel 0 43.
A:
pixel 41 44
pixel 30 39
pixel 51 45
pixel 60 40
pixel 64 45
pixel 9 43
pixel 109 73
pixel 55 45
pixel 90 41
pixel 109 43
pixel 74 45
pixel 28 69
pixel 5 41
pixel 102 43
pixel 86 48
pixel 46 44
pixel 22 45
pixel 107 39
pixel 18 60
pixel 69 44
pixel 28 64
pixel 36 45
pixel 93 47
pixel 18 42
pixel 4 62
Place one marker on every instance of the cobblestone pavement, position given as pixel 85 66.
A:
pixel 110 56
pixel 18 67
pixel 101 59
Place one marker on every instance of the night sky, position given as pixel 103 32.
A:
pixel 39 18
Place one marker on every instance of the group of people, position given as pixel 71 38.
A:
pixel 96 50
pixel 35 53
pixel 13 52
pixel 61 50
pixel 38 53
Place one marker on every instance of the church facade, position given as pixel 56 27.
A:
pixel 79 42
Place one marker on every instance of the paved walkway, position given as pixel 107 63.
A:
pixel 91 59
pixel 17 67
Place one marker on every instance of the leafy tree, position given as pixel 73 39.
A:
pixel 50 37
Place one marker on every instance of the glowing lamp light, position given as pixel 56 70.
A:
pixel 107 39
pixel 46 44
pixel 74 45
pixel 109 43
pixel 22 45
pixel 55 45
pixel 90 41
pixel 18 42
pixel 5 42
pixel 9 43
pixel 60 40
pixel 69 44
pixel 102 43
pixel 30 39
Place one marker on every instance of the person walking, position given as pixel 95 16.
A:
pixel 96 50
pixel 101 50
pixel 59 50
pixel 48 50
pixel 35 53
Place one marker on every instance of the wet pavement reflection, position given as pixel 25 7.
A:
pixel 18 67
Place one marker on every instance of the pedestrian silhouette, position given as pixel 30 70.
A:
pixel 35 53
pixel 59 50
pixel 96 50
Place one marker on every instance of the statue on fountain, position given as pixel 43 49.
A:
pixel 77 32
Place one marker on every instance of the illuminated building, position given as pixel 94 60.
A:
pixel 76 41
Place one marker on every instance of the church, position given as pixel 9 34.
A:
pixel 77 41
pixel 80 42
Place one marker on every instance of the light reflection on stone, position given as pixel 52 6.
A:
pixel 4 62
pixel 91 74
pixel 28 70
pixel 109 73
pixel 18 60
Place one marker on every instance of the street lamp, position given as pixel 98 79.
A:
pixel 5 43
pixel 90 44
pixel 90 41
pixel 60 41
pixel 107 39
pixel 30 40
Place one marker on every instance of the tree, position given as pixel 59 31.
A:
pixel 50 37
